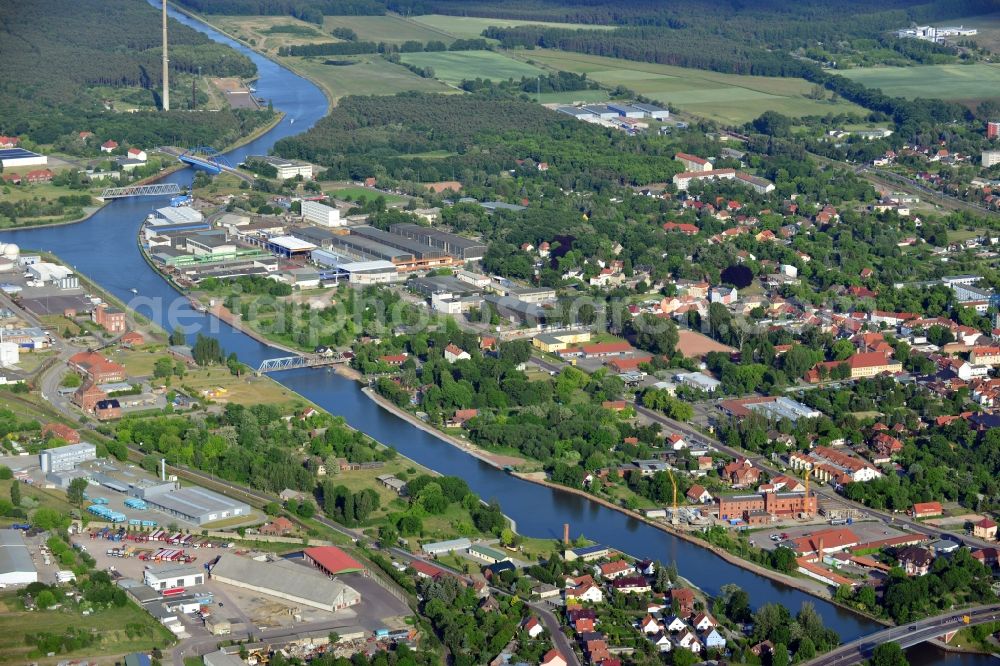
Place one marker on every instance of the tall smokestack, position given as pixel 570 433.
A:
pixel 163 469
pixel 166 61
pixel 566 533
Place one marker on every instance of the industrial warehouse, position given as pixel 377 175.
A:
pixel 285 580
pixel 326 248
pixel 193 504
pixel 16 566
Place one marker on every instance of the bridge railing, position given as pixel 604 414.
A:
pixel 156 190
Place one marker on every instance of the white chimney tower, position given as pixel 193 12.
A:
pixel 166 61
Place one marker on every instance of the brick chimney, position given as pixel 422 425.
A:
pixel 566 533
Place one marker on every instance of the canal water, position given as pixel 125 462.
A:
pixel 104 248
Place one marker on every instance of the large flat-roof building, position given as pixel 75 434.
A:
pixel 458 247
pixel 193 504
pixel 174 575
pixel 285 168
pixel 19 157
pixel 65 458
pixel 365 243
pixel 16 566
pixel 285 580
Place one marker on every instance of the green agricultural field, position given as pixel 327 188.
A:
pixel 388 28
pixel 728 98
pixel 370 75
pixel 456 66
pixel 949 82
pixel 268 33
pixel 472 26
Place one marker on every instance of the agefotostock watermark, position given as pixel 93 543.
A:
pixel 309 321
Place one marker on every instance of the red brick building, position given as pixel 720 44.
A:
pixel 88 395
pixel 111 320
pixel 97 368
pixel 63 432
pixel 106 410
pixel 772 504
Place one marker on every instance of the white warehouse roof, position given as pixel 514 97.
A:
pixel 16 566
pixel 291 243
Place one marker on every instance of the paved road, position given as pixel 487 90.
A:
pixel 201 645
pixel 559 639
pixel 906 636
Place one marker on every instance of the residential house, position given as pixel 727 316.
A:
pixel 704 622
pixel 698 494
pixel 985 529
pixel 631 585
pixel 674 624
pixel 280 526
pixel 453 353
pixel 613 570
pixel 553 658
pixel 677 442
pixel 916 561
pixel 661 641
pixel 688 641
pixel 683 599
pixel 714 640
pixel 533 627
pixel 649 625
pixel 109 146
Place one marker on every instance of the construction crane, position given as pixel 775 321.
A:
pixel 673 482
pixel 805 501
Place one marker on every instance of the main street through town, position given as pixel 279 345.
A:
pixel 907 635
pixel 695 436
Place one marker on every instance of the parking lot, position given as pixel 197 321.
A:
pixel 378 607
pixel 866 531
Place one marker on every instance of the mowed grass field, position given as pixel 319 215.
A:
pixel 369 75
pixel 256 30
pixel 728 98
pixel 978 81
pixel 473 26
pixel 456 66
pixel 388 28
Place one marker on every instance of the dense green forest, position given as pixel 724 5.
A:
pixel 54 53
pixel 487 135
pixel 307 10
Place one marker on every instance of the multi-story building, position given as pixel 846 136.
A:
pixel 982 355
pixel 693 162
pixel 990 157
pixel 770 504
pixel 65 458
pixel 110 319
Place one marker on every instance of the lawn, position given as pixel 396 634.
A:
pixel 456 66
pixel 354 193
pixel 15 623
pixel 388 28
pixel 472 26
pixel 728 98
pixel 369 75
pixel 948 82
